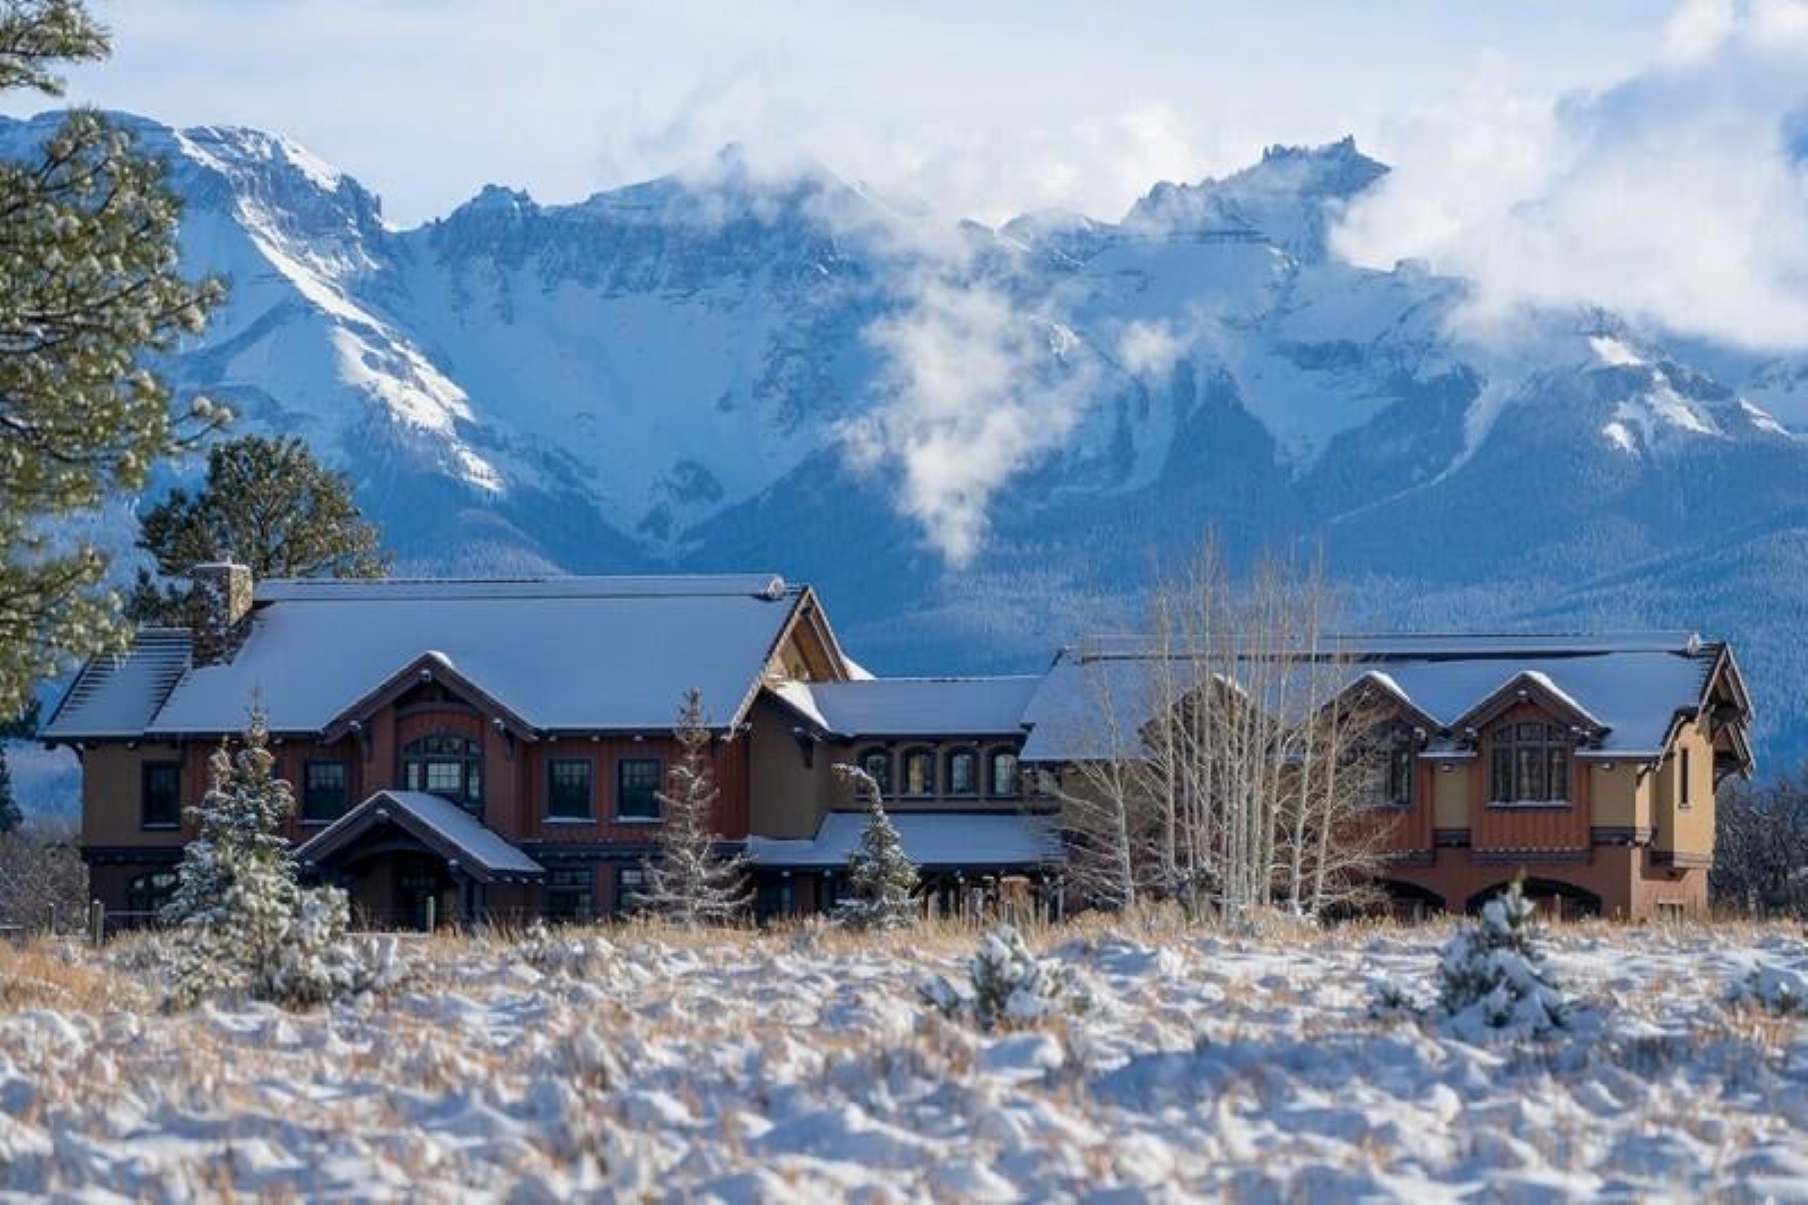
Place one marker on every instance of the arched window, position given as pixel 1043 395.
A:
pixel 877 762
pixel 1530 763
pixel 919 772
pixel 149 892
pixel 963 772
pixel 446 765
pixel 1004 777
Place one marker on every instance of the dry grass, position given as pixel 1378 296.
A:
pixel 53 973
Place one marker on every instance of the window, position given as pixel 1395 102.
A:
pixel 963 773
pixel 919 772
pixel 1530 763
pixel 162 794
pixel 1005 780
pixel 1684 795
pixel 568 788
pixel 877 762
pixel 324 788
pixel 146 894
pixel 445 765
pixel 630 881
pixel 1399 783
pixel 570 894
pixel 637 788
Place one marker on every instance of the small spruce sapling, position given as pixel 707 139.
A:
pixel 1492 979
pixel 689 883
pixel 881 875
pixel 1010 986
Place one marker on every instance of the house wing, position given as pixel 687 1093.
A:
pixel 441 826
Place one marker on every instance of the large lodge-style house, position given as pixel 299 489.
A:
pixel 498 748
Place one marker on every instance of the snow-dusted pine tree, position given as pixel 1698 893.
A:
pixel 244 922
pixel 1492 977
pixel 690 883
pixel 883 878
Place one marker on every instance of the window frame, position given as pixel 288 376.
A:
pixel 1514 755
pixel 1685 791
pixel 621 794
pixel 917 755
pixel 469 763
pixel 884 779
pixel 308 767
pixel 551 811
pixel 1015 790
pixel 581 882
pixel 145 771
pixel 620 891
pixel 973 791
pixel 1403 761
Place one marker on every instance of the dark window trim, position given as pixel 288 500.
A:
pixel 1549 744
pixel 145 771
pixel 925 753
pixel 619 889
pixel 891 766
pixel 588 816
pixel 1685 794
pixel 991 772
pixel 473 757
pixel 979 772
pixel 621 765
pixel 345 802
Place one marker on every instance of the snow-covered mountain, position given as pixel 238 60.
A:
pixel 976 440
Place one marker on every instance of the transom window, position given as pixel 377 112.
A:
pixel 637 788
pixel 446 765
pixel 570 894
pixel 568 788
pixel 919 772
pixel 1530 763
pixel 161 795
pixel 1005 779
pixel 877 762
pixel 963 772
pixel 325 788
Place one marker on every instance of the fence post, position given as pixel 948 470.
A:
pixel 432 909
pixel 97 923
pixel 50 919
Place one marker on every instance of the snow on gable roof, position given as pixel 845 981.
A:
pixel 943 840
pixel 595 654
pixel 916 706
pixel 438 823
pixel 117 694
pixel 1632 686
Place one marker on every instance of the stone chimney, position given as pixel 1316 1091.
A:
pixel 218 606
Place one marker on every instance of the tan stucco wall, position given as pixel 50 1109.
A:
pixel 1686 831
pixel 1613 794
pixel 788 798
pixel 1451 793
pixel 112 782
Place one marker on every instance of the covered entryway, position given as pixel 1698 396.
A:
pixel 409 860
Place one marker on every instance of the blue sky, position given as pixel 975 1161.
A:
pixel 1641 154
pixel 980 109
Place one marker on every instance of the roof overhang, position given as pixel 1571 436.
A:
pixel 428 667
pixel 1530 686
pixel 446 831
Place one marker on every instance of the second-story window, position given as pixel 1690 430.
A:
pixel 637 788
pixel 445 765
pixel 919 772
pixel 161 794
pixel 963 772
pixel 568 788
pixel 877 762
pixel 1530 763
pixel 324 791
pixel 1005 780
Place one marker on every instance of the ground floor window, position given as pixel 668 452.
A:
pixel 146 894
pixel 774 897
pixel 324 791
pixel 570 894
pixel 630 882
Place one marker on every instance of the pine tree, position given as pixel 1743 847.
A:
pixel 11 818
pixel 88 286
pixel 246 923
pixel 267 504
pixel 1492 977
pixel 881 874
pixel 690 883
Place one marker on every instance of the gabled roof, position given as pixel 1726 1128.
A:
pixel 117 694
pixel 1533 685
pixel 440 825
pixel 913 706
pixel 562 654
pixel 942 840
pixel 1631 688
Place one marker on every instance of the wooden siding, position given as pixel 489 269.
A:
pixel 1522 827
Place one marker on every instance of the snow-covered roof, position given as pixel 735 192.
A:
pixel 1631 686
pixel 438 823
pixel 596 653
pixel 915 706
pixel 117 694
pixel 936 840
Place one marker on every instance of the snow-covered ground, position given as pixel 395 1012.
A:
pixel 803 1067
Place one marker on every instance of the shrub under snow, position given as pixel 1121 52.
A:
pixel 1492 979
pixel 1775 989
pixel 1010 985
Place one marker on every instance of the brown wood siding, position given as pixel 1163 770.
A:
pixel 1410 829
pixel 1507 829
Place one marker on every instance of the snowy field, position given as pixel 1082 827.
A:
pixel 802 1066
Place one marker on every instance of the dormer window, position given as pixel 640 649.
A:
pixel 963 772
pixel 446 765
pixel 1397 783
pixel 919 772
pixel 1529 763
pixel 877 762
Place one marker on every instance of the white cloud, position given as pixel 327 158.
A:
pixel 1677 196
pixel 975 390
pixel 1149 349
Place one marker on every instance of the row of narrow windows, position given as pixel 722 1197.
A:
pixel 919 772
